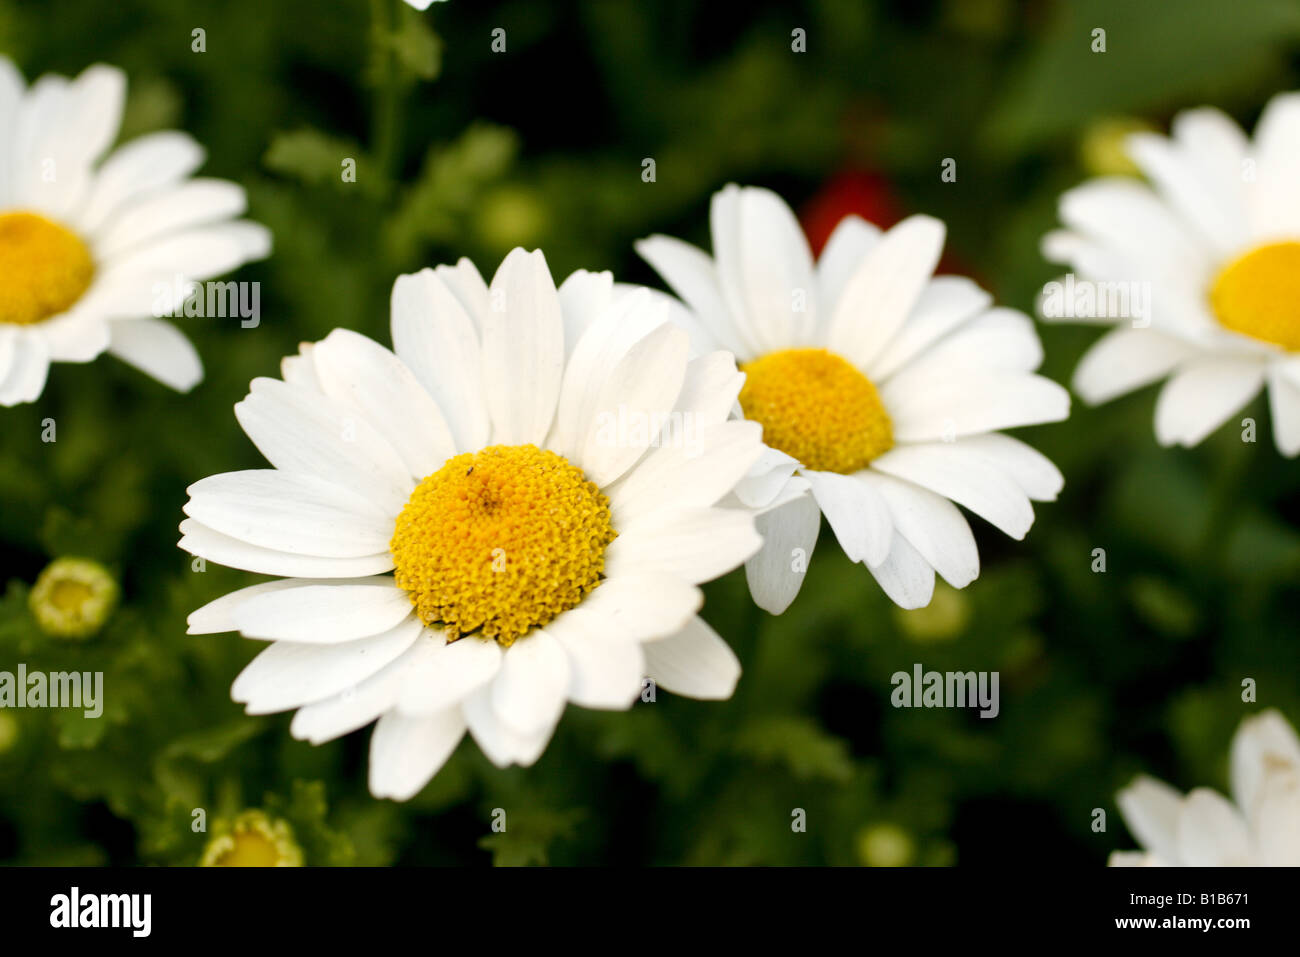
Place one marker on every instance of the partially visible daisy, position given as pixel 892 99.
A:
pixel 88 245
pixel 253 839
pixel 538 468
pixel 1260 826
pixel 1215 238
pixel 881 390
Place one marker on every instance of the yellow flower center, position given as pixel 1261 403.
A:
pixel 73 597
pixel 253 840
pixel 818 408
pixel 500 541
pixel 1258 294
pixel 44 268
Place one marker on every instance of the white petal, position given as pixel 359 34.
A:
pixel 288 674
pixel 198 539
pixel 691 274
pixel 500 743
pixel 857 514
pixel 695 662
pixel 1263 743
pixel 144 164
pixel 199 253
pixel 628 321
pixel 529 692
pixel 197 202
pixel 692 474
pixel 776 573
pixel 1126 359
pixel 1129 218
pixel 906 577
pixel 968 403
pixel 467 285
pixel 1033 471
pixel 768 479
pixel 944 304
pixel 405 752
pixel 1211 832
pixel 844 251
pixel 932 525
pixel 780 294
pixel 436 338
pixel 290 512
pixel 962 475
pixel 79 335
pixel 1184 183
pixel 523 350
pixel 324 613
pixel 633 404
pixel 29 365
pixel 1274 197
pixel 694 544
pixel 1215 143
pixel 605 671
pixel 999 339
pixel 157 349
pixel 306 432
pixel 584 296
pixel 642 607
pixel 1277 820
pixel 362 375
pixel 884 289
pixel 711 389
pixel 1284 407
pixel 217 615
pixel 1151 810
pixel 1204 394
pixel 355 707
pixel 449 674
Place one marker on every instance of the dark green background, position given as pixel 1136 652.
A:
pixel 470 153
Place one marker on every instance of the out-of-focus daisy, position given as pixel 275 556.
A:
pixel 86 246
pixel 539 468
pixel 1214 240
pixel 1260 826
pixel 880 388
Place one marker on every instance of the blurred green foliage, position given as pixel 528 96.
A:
pixel 463 151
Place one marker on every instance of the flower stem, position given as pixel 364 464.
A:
pixel 384 125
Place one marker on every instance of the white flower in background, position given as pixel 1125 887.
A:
pixel 539 468
pixel 881 391
pixel 1260 826
pixel 1216 239
pixel 85 245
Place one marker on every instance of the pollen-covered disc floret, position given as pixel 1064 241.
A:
pixel 44 268
pixel 500 541
pixel 815 406
pixel 1258 294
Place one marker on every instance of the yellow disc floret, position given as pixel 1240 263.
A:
pixel 44 268
pixel 253 839
pixel 1258 295
pixel 816 407
pixel 500 541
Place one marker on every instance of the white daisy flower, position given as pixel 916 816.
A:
pixel 880 388
pixel 1259 827
pixel 1215 238
pixel 540 471
pixel 87 247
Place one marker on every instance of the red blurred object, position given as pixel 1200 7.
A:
pixel 852 192
pixel 869 195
